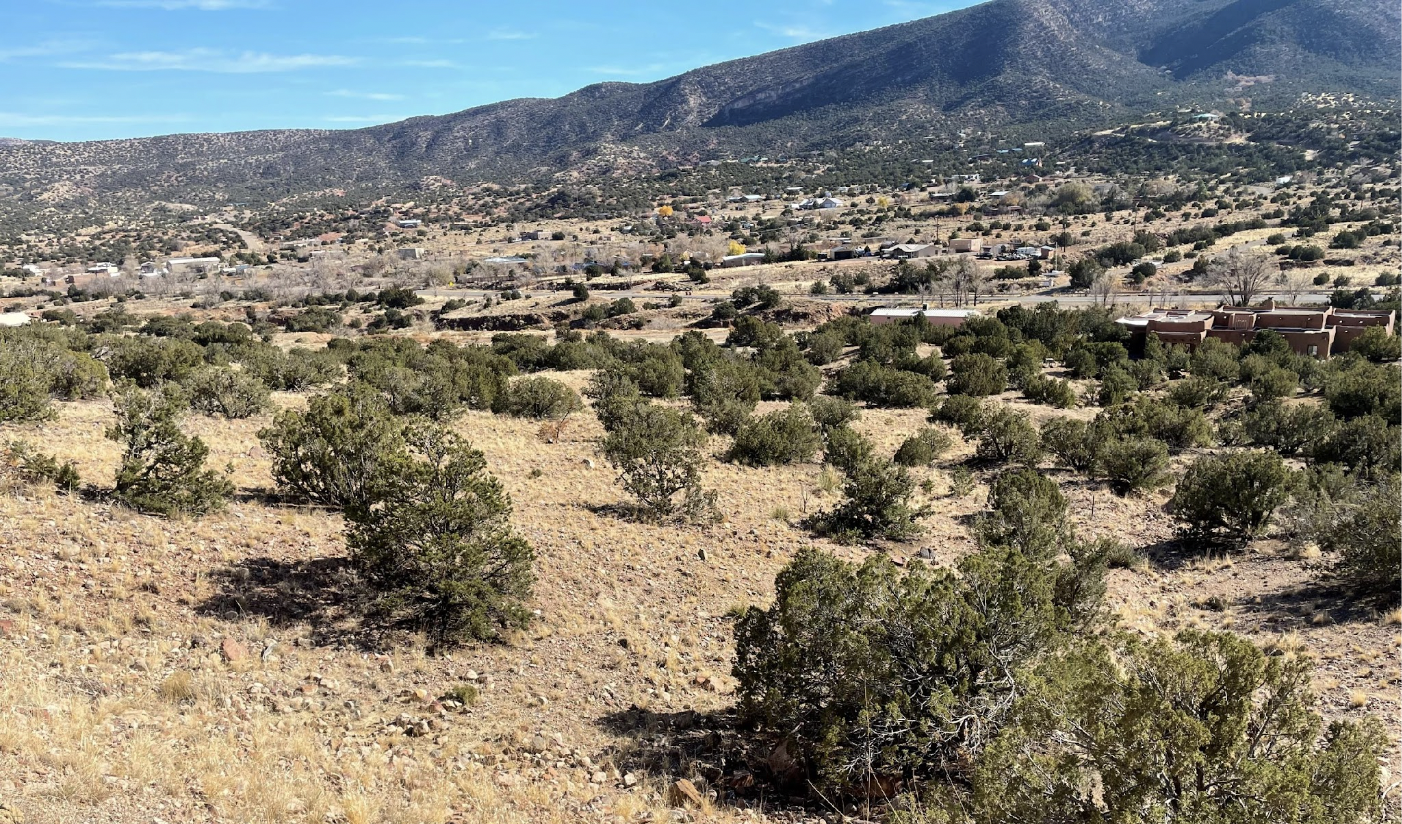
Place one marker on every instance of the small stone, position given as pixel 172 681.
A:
pixel 386 665
pixel 232 650
pixel 537 745
pixel 682 793
pixel 598 777
pixel 701 553
pixel 630 780
pixel 471 675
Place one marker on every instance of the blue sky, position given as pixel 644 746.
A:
pixel 99 69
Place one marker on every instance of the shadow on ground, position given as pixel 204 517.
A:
pixel 322 594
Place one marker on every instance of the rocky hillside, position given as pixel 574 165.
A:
pixel 1063 62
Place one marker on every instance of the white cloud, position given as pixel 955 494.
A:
pixel 45 48
pixel 510 34
pixel 212 60
pixel 178 5
pixel 365 95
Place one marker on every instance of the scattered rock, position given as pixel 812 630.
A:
pixel 232 650
pixel 701 553
pixel 598 777
pixel 588 463
pixel 8 629
pixel 537 745
pixel 683 792
pixel 386 664
pixel 630 780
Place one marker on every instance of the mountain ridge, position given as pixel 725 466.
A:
pixel 1003 62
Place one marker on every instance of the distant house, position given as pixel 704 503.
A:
pixel 408 224
pixel 702 220
pixel 506 261
pixel 10 320
pixel 906 251
pixel 966 244
pixel 830 203
pixel 1316 333
pixel 846 253
pixel 108 269
pixel 534 234
pixel 411 253
pixel 936 317
pixel 196 265
pixel 747 259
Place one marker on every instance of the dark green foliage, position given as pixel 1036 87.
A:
pixel 331 453
pixel 824 348
pixel 1116 386
pixel 845 448
pixel 866 671
pixel 657 452
pixel 1179 427
pixel 883 386
pixel 1272 384
pixel 1215 359
pixel 1360 526
pixel 1133 464
pixel 1197 392
pixel 1289 429
pixel 162 469
pixel 876 500
pixel 784 373
pixel 1355 388
pixel 148 361
pixel 830 413
pixel 1050 391
pixel 226 392
pixel 782 437
pixel 539 398
pixel 962 411
pixel 1365 445
pixel 1073 442
pixel 922 448
pixel 289 371
pixel 24 385
pixel 1377 345
pixel 314 319
pixel 436 544
pixel 1027 513
pixel 724 392
pixel 1230 499
pixel 38 467
pixel 1199 728
pixel 977 375
pixel 1007 436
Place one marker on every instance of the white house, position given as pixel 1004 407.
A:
pixel 936 317
pixel 10 320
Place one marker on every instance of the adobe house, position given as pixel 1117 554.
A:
pixel 1318 332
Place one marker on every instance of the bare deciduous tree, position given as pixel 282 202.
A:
pixel 1242 276
pixel 1294 281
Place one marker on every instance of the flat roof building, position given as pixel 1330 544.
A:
pixel 1318 332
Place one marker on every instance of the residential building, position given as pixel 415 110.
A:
pixel 411 253
pixel 906 251
pixel 196 265
pixel 1318 332
pixel 747 259
pixel 966 244
pixel 10 320
pixel 936 317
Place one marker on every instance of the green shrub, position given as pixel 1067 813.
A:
pixel 162 469
pixel 38 467
pixel 1027 513
pixel 148 361
pixel 1216 360
pixel 1116 386
pixel 1377 345
pixel 1050 392
pixel 1197 392
pixel 977 375
pixel 844 448
pixel 1178 426
pixel 867 671
pixel 1132 464
pixel 782 437
pixel 539 398
pixel 657 452
pixel 883 386
pixel 436 544
pixel 227 393
pixel 1360 389
pixel 830 413
pixel 1008 436
pixel 1230 499
pixel 922 448
pixel 1361 528
pixel 1149 723
pixel 876 503
pixel 785 374
pixel 824 348
pixel 1289 429
pixel 24 385
pixel 1073 442
pixel 962 411
pixel 1365 444
pixel 724 392
pixel 1273 384
pixel 331 453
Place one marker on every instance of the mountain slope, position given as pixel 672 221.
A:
pixel 999 63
